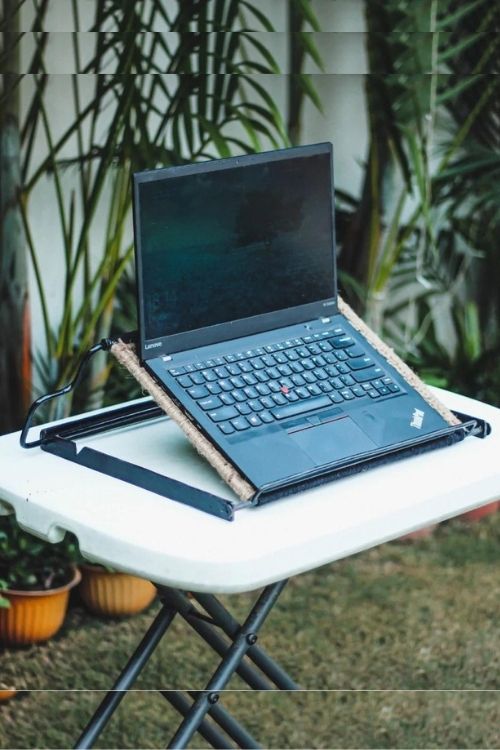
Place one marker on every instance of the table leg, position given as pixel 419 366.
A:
pixel 257 654
pixel 246 638
pixel 126 678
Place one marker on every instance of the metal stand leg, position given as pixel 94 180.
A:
pixel 126 678
pixel 257 654
pixel 246 637
pixel 243 639
pixel 207 631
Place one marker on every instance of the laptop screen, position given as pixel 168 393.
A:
pixel 229 243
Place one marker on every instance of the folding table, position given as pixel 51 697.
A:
pixel 191 555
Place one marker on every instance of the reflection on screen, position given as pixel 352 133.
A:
pixel 232 243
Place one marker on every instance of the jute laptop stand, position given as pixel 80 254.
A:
pixel 60 439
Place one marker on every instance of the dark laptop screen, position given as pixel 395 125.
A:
pixel 222 245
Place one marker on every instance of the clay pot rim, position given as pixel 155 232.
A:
pixel 77 577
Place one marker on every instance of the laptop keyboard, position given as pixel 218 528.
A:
pixel 249 389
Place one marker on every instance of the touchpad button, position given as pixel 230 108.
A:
pixel 332 441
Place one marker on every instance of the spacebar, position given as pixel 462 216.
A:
pixel 291 410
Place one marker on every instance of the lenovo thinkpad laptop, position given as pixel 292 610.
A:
pixel 239 319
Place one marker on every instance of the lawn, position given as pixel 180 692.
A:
pixel 396 647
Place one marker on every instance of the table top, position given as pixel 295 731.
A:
pixel 139 532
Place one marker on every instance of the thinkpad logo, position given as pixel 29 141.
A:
pixel 417 419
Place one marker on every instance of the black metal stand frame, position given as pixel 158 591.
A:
pixel 201 710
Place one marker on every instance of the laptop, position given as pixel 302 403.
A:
pixel 239 319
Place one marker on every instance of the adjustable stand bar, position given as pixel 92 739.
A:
pixel 194 713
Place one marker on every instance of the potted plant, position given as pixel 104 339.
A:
pixel 35 580
pixel 105 591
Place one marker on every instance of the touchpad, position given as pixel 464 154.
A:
pixel 331 441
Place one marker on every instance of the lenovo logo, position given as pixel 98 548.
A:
pixel 153 346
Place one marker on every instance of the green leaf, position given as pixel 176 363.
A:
pixel 309 90
pixel 307 41
pixel 305 9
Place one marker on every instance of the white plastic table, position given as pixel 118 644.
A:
pixel 181 548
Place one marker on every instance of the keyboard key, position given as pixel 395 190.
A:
pixel 198 391
pixel 347 380
pixel 234 369
pixel 308 364
pixel 185 381
pixel 325 346
pixel 337 383
pixel 302 392
pixel 356 351
pixel 266 416
pixel 279 399
pixel 371 373
pixel 292 355
pixel 336 397
pixel 342 342
pixel 226 427
pixel 262 376
pixel 238 396
pixel 284 370
pixel 309 377
pixel 226 385
pixel 319 361
pixel 255 404
pixel 257 363
pixel 209 375
pixel 347 394
pixel 269 360
pixel 243 408
pixel 222 372
pixel 281 358
pixel 341 355
pixel 291 410
pixel 274 386
pixel 267 402
pixel 240 423
pixel 223 414
pixel 230 358
pixel 177 371
pixel 254 420
pixel 249 379
pixel 214 388
pixel 320 374
pixel 212 402
pixel 314 390
pixel 227 399
pixel 358 391
pixel 393 387
pixel 263 389
pixel 245 367
pixel 373 393
pixel 314 349
pixel 359 363
pixel 237 381
pixel 196 377
pixel 291 396
pixel 383 390
pixel 273 373
pixel 343 368
pixel 297 380
pixel 250 391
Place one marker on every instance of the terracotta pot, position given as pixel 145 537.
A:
pixel 7 693
pixel 114 594
pixel 484 510
pixel 34 616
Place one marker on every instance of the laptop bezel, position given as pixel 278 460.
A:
pixel 169 344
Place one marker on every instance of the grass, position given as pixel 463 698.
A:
pixel 396 647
